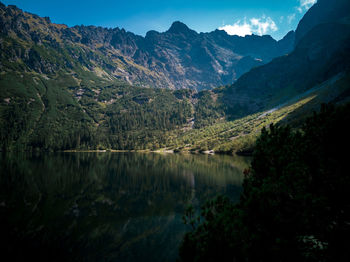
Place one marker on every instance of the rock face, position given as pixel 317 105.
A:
pixel 322 52
pixel 324 11
pixel 178 58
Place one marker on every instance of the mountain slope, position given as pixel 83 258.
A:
pixel 177 58
pixel 56 114
pixel 324 11
pixel 322 53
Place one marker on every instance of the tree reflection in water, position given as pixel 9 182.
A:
pixel 106 206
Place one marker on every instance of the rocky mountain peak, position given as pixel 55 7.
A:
pixel 180 28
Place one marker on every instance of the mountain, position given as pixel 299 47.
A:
pixel 87 87
pixel 321 58
pixel 324 11
pixel 175 59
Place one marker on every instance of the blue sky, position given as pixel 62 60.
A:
pixel 274 17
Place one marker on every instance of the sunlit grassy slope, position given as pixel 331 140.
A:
pixel 240 135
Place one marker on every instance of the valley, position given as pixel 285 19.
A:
pixel 87 88
pixel 175 145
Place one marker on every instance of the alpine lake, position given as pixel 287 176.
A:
pixel 107 206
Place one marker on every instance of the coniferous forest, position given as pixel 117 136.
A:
pixel 295 200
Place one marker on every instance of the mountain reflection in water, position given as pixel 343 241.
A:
pixel 106 206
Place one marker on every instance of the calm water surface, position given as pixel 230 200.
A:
pixel 106 206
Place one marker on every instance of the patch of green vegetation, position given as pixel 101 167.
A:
pixel 234 136
pixel 59 113
pixel 37 112
pixel 136 118
pixel 207 109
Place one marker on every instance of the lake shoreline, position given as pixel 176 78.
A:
pixel 207 152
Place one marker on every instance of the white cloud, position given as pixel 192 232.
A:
pixel 259 26
pixel 291 18
pixel 305 5
pixel 238 28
